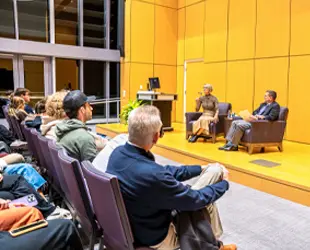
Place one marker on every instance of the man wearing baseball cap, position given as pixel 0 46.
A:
pixel 73 134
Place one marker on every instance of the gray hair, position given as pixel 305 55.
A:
pixel 208 86
pixel 143 123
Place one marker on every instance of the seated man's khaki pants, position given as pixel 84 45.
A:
pixel 211 175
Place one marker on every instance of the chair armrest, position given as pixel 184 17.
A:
pixel 265 131
pixel 191 116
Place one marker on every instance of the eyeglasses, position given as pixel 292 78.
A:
pixel 162 132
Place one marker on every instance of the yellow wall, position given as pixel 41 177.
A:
pixel 241 47
pixel 150 46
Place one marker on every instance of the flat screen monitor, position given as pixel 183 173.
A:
pixel 154 83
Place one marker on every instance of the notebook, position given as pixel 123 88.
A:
pixel 246 115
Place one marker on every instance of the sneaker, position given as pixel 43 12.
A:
pixel 229 247
pixel 18 143
pixel 60 213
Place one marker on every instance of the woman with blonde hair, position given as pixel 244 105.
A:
pixel 55 113
pixel 17 108
pixel 209 104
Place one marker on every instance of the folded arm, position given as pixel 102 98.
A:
pixel 183 173
pixel 172 194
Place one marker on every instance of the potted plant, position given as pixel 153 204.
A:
pixel 127 109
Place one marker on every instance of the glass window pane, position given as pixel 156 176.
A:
pixel 67 74
pixel 33 20
pixel 34 79
pixel 6 75
pixel 114 88
pixel 94 23
pixel 7 19
pixel 94 84
pixel 66 22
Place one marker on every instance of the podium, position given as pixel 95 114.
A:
pixel 163 102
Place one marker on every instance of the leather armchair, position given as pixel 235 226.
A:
pixel 264 133
pixel 214 128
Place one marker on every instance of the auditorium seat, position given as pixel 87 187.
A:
pixel 80 199
pixel 109 208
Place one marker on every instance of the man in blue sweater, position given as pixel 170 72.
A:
pixel 151 192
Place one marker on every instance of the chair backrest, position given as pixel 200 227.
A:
pixel 58 174
pixel 5 109
pixel 224 108
pixel 283 114
pixel 31 146
pixel 43 143
pixel 109 207
pixel 40 157
pixel 17 129
pixel 78 192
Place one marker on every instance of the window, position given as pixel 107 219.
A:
pixel 7 19
pixel 67 74
pixel 94 28
pixel 66 22
pixel 33 20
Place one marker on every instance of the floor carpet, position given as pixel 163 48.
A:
pixel 259 221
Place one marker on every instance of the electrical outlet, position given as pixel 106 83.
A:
pixel 124 93
pixel 141 87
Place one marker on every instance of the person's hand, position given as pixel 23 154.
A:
pixel 216 119
pixel 260 117
pixel 4 204
pixel 204 168
pixel 1 177
pixel 17 205
pixel 253 118
pixel 225 174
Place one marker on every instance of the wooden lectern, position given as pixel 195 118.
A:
pixel 163 102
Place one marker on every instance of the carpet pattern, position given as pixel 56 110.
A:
pixel 259 221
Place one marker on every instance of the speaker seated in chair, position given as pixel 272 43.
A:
pixel 210 122
pixel 263 133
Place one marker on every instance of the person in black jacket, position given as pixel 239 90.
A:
pixel 268 110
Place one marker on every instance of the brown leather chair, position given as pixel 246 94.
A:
pixel 264 133
pixel 215 129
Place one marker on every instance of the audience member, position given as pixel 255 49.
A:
pixel 35 120
pixel 151 192
pixel 55 114
pixel 17 108
pixel 73 134
pixel 102 159
pixel 25 95
pixel 59 234
pixel 15 186
pixel 13 164
pixel 268 110
pixel 13 216
pixel 6 135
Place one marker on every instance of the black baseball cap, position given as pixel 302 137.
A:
pixel 76 99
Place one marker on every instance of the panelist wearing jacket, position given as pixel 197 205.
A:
pixel 269 110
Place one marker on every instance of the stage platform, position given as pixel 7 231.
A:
pixel 289 180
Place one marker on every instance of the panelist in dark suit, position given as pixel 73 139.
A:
pixel 269 110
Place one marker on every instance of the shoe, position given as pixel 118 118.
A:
pixel 60 213
pixel 228 144
pixel 231 148
pixel 229 247
pixel 193 139
pixel 223 147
